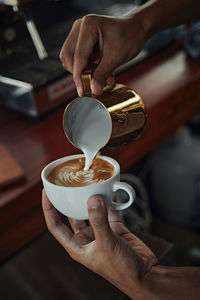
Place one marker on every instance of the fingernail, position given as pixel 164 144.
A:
pixel 79 90
pixel 94 202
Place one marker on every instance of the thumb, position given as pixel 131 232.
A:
pixel 98 217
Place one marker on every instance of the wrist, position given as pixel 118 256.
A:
pixel 163 282
pixel 143 21
pixel 158 15
pixel 138 285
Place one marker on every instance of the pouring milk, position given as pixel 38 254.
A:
pixel 88 125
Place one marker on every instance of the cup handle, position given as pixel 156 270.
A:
pixel 118 185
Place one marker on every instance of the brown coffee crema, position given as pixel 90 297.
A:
pixel 71 173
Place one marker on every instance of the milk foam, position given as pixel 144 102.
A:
pixel 85 177
pixel 71 173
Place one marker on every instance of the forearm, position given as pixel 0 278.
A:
pixel 166 283
pixel 172 283
pixel 157 15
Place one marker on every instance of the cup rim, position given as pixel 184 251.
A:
pixel 69 157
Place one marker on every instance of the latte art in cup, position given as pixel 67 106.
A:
pixel 71 173
pixel 70 197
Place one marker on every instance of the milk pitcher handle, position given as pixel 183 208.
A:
pixel 86 78
pixel 118 185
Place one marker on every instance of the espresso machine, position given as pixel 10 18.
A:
pixel 32 79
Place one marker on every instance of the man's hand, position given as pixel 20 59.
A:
pixel 106 247
pixel 103 39
pixel 113 41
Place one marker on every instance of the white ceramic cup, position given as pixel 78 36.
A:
pixel 72 201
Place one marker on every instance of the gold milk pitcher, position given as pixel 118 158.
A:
pixel 123 105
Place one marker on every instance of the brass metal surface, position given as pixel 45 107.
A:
pixel 125 107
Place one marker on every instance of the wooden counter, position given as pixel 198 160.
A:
pixel 169 84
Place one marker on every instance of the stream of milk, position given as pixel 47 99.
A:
pixel 90 127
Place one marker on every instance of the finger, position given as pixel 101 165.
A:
pixel 54 224
pixel 104 69
pixel 114 216
pixel 87 39
pixel 98 216
pixel 66 56
pixel 68 48
pixel 77 225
